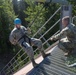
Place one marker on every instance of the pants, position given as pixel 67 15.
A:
pixel 66 45
pixel 28 48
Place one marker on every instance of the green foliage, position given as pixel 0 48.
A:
pixel 50 11
pixel 35 20
pixel 6 19
pixel 71 60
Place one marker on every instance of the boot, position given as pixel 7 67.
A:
pixel 34 63
pixel 68 53
pixel 45 55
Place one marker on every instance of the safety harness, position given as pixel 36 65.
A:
pixel 24 37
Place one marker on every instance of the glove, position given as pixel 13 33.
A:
pixel 52 38
pixel 29 30
pixel 14 42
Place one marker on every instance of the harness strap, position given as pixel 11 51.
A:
pixel 24 37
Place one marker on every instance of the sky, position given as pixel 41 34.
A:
pixel 18 0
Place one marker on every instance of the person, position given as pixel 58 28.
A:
pixel 19 36
pixel 67 36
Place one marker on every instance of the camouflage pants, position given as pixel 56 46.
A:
pixel 28 48
pixel 66 45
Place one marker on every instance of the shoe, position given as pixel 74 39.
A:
pixel 45 55
pixel 34 63
pixel 68 53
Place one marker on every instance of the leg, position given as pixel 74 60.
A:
pixel 29 50
pixel 66 47
pixel 62 46
pixel 74 48
pixel 38 43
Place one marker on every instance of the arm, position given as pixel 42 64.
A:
pixel 65 31
pixel 27 30
pixel 12 38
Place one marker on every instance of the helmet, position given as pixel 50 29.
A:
pixel 17 21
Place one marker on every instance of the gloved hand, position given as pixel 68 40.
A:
pixel 29 30
pixel 14 42
pixel 52 38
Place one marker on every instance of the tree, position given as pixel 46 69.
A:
pixel 19 7
pixel 6 23
pixel 36 15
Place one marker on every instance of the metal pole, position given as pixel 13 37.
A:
pixel 65 2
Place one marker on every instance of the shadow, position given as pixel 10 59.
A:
pixel 31 71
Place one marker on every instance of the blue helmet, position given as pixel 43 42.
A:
pixel 17 21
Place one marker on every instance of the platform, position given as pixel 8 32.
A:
pixel 51 65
